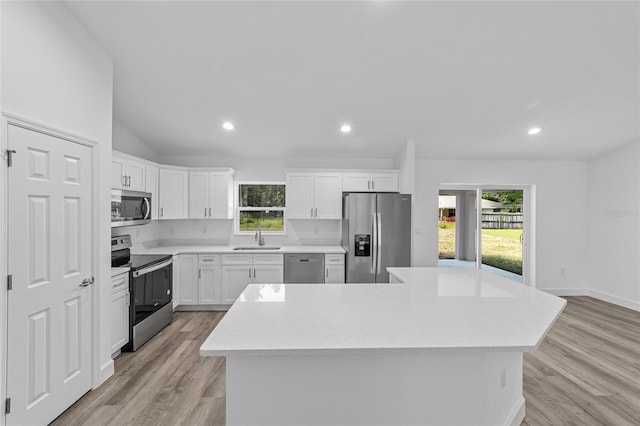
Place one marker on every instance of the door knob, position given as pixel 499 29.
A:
pixel 87 281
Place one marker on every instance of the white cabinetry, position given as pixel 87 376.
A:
pixel 314 195
pixel 211 194
pixel 127 173
pixel 370 182
pixel 151 186
pixel 240 270
pixel 119 311
pixel 187 279
pixel 199 279
pixel 209 275
pixel 334 268
pixel 173 201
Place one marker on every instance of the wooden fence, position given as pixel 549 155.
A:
pixel 501 220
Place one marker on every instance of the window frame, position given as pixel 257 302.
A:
pixel 238 209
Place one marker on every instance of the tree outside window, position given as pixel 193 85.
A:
pixel 261 204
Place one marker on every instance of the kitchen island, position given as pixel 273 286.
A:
pixel 443 346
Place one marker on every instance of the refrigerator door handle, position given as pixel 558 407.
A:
pixel 374 242
pixel 378 242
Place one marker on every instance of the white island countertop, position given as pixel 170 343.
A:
pixel 433 310
pixel 213 249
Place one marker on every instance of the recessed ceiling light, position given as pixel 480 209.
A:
pixel 227 125
pixel 345 128
pixel 534 130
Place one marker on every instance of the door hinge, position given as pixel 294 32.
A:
pixel 9 282
pixel 7 406
pixel 10 153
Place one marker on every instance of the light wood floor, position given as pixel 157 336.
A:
pixel 586 372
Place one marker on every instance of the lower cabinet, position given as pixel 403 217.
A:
pixel 119 311
pixel 198 279
pixel 240 270
pixel 334 268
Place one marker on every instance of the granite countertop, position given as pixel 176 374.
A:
pixel 201 249
pixel 435 310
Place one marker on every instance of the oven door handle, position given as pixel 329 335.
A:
pixel 152 268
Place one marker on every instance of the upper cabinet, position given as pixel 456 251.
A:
pixel 173 201
pixel 152 187
pixel 127 173
pixel 370 182
pixel 211 194
pixel 314 195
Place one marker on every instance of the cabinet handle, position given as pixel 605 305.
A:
pixel 249 273
pixel 205 212
pixel 326 273
pixel 311 212
pixel 209 211
pixel 373 185
pixel 199 273
pixel 124 181
pixel 161 212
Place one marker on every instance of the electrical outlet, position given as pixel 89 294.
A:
pixel 503 378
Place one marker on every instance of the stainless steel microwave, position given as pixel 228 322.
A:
pixel 130 208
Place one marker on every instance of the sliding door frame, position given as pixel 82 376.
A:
pixel 528 228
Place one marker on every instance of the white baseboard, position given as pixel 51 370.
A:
pixel 516 416
pixel 106 370
pixel 616 300
pixel 596 294
pixel 566 291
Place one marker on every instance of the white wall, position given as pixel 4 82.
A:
pixel 127 142
pixel 614 223
pixel 56 74
pixel 405 161
pixel 562 225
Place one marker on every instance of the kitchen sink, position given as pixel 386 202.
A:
pixel 257 248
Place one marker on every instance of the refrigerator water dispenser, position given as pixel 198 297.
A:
pixel 362 245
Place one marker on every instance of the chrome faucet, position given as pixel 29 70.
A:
pixel 258 237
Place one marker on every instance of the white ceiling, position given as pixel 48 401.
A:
pixel 461 79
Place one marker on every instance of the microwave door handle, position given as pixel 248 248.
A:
pixel 147 214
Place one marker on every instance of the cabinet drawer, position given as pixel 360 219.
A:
pixel 209 259
pixel 236 259
pixel 267 259
pixel 334 259
pixel 120 282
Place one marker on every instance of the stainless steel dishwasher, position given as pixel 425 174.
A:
pixel 303 268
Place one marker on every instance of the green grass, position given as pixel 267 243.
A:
pixel 267 225
pixel 501 248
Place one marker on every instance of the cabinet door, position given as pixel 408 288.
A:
pixel 198 195
pixel 187 279
pixel 220 195
pixel 268 274
pixel 117 172
pixel 209 285
pixel 151 186
pixel 135 172
pixel 234 280
pixel 299 203
pixel 328 195
pixel 356 182
pixel 384 182
pixel 119 319
pixel 334 274
pixel 174 194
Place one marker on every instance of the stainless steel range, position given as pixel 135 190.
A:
pixel 150 288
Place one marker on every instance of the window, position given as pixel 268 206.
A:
pixel 260 204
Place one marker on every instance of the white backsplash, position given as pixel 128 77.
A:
pixel 220 232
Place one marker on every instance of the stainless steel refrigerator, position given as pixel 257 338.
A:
pixel 376 234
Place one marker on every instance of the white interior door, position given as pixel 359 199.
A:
pixel 49 256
